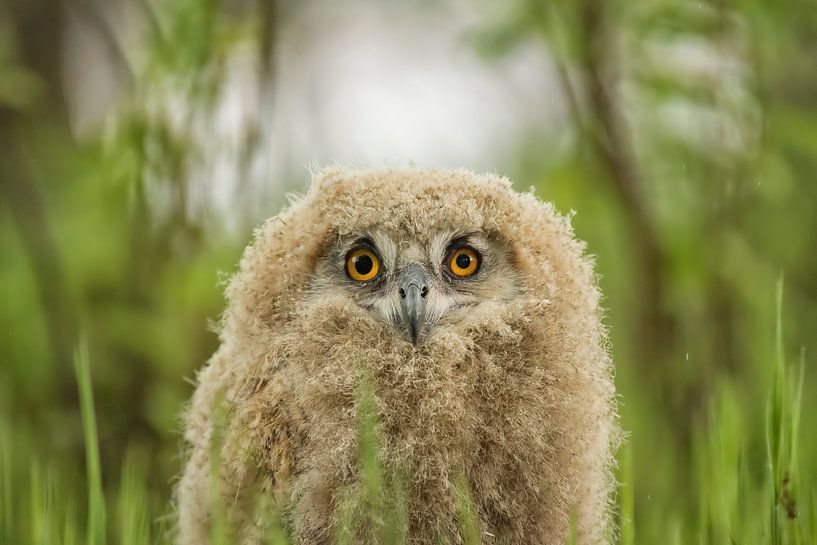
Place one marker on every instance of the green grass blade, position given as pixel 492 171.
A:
pixel 469 527
pixel 134 521
pixel 7 511
pixel 626 497
pixel 96 500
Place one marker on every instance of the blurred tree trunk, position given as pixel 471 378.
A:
pixel 38 27
pixel 658 330
pixel 613 146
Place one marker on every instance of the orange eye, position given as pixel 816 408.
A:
pixel 362 264
pixel 464 262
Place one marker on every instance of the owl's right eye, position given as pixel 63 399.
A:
pixel 362 264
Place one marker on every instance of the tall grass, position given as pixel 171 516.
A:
pixel 741 500
pixel 782 436
pixel 96 500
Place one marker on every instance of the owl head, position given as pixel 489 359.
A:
pixel 412 250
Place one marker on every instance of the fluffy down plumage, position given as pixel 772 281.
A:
pixel 515 395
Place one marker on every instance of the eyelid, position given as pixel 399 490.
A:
pixel 459 242
pixel 357 244
pixel 362 242
pixel 467 241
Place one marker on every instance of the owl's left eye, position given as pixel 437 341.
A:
pixel 362 264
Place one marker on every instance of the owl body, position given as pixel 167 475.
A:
pixel 494 383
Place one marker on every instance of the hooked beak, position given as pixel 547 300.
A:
pixel 413 284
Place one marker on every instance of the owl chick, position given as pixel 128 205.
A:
pixel 476 314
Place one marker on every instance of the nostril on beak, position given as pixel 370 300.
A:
pixel 423 292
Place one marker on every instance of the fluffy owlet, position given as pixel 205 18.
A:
pixel 475 314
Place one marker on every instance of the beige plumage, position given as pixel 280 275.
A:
pixel 502 376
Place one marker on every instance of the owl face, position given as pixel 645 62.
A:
pixel 414 284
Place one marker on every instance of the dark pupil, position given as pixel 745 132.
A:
pixel 463 260
pixel 363 264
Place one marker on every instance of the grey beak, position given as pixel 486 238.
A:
pixel 413 284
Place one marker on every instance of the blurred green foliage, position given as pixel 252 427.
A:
pixel 689 158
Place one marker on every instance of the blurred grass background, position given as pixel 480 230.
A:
pixel 141 141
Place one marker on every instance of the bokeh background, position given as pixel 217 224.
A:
pixel 141 141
